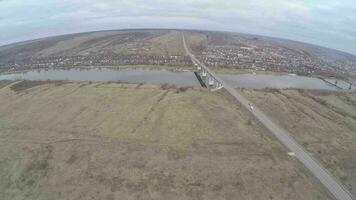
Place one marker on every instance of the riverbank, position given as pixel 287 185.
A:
pixel 115 67
pixel 102 140
pixel 234 71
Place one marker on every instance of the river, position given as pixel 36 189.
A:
pixel 185 78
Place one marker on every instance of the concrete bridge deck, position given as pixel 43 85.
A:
pixel 211 80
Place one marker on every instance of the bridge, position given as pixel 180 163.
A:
pixel 313 165
pixel 209 78
pixel 337 84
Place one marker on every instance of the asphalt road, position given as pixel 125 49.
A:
pixel 334 187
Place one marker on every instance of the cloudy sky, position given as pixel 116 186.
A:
pixel 330 23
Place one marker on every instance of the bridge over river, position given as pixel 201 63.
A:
pixel 214 83
pixel 205 75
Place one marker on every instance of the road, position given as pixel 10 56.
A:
pixel 334 187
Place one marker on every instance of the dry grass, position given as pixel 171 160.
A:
pixel 324 122
pixel 169 43
pixel 196 41
pixel 81 140
pixel 4 83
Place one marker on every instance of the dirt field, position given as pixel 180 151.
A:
pixel 144 42
pixel 324 122
pixel 121 42
pixel 81 140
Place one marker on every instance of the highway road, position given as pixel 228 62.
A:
pixel 334 187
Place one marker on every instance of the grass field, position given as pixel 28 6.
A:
pixel 82 140
pixel 324 122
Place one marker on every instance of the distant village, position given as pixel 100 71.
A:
pixel 97 60
pixel 239 57
pixel 274 59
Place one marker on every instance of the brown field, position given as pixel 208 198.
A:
pixel 144 42
pixel 196 41
pixel 82 140
pixel 324 122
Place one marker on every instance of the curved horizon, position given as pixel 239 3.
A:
pixel 323 23
pixel 204 30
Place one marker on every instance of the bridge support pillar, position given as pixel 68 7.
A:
pixel 209 80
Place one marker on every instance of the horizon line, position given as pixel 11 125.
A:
pixel 172 29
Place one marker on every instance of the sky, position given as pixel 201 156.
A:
pixel 329 23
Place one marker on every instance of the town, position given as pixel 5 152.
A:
pixel 216 50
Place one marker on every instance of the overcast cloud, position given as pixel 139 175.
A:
pixel 323 22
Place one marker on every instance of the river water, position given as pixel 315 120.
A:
pixel 282 81
pixel 185 78
pixel 124 75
